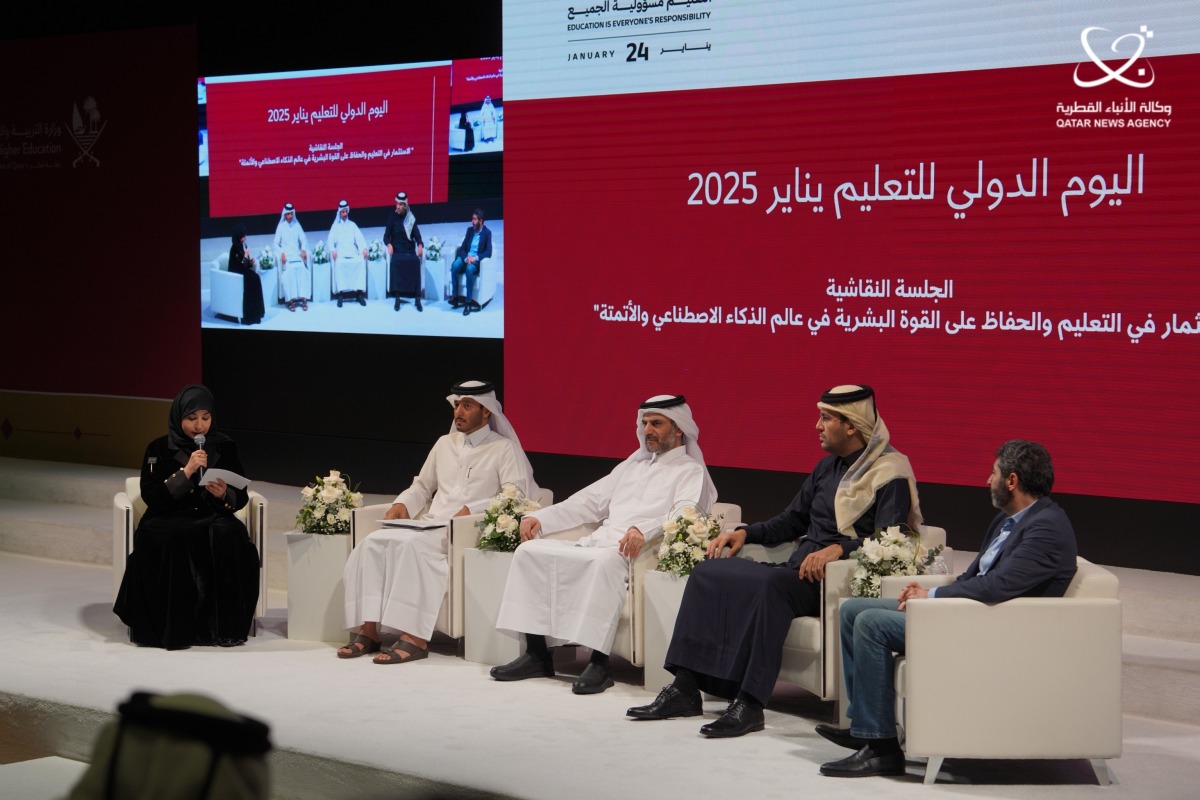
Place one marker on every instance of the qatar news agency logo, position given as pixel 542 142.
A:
pixel 1135 73
pixel 1143 72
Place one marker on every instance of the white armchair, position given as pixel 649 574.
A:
pixel 225 289
pixel 485 282
pixel 463 535
pixel 1034 677
pixel 630 641
pixel 128 508
pixel 812 656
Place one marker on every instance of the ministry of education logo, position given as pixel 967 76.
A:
pixel 85 133
pixel 1143 72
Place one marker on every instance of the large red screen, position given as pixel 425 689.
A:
pixel 998 259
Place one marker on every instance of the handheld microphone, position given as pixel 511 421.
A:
pixel 200 446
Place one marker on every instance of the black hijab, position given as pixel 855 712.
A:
pixel 239 231
pixel 191 398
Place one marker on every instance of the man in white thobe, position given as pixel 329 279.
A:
pixel 559 592
pixel 396 578
pixel 292 245
pixel 348 250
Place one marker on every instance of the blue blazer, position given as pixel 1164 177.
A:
pixel 1036 560
pixel 485 242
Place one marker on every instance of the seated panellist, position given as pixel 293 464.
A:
pixel 1029 551
pixel 735 613
pixel 559 591
pixel 476 246
pixel 396 578
pixel 348 251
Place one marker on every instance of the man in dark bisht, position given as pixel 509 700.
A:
pixel 405 250
pixel 735 613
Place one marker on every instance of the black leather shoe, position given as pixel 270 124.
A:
pixel 396 307
pixel 339 302
pixel 842 737
pixel 594 680
pixel 362 301
pixel 670 703
pixel 738 720
pixel 526 666
pixel 865 764
pixel 466 309
pixel 457 301
pixel 419 305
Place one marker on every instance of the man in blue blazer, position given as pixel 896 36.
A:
pixel 1029 551
pixel 475 247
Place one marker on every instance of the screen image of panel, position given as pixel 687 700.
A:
pixel 310 166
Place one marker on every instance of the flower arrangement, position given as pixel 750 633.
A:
pixel 375 250
pixel 320 253
pixel 433 249
pixel 327 505
pixel 500 528
pixel 895 551
pixel 686 535
pixel 266 260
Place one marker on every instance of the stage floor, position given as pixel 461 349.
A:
pixel 441 727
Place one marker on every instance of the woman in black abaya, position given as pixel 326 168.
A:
pixel 240 262
pixel 192 578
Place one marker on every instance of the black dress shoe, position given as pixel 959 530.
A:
pixel 670 703
pixel 526 666
pixel 362 301
pixel 396 307
pixel 466 309
pixel 738 720
pixel 418 301
pixel 594 680
pixel 457 301
pixel 339 302
pixel 866 763
pixel 225 641
pixel 842 737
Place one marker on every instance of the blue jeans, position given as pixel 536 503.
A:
pixel 872 634
pixel 457 269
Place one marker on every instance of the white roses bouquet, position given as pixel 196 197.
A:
pixel 320 253
pixel 266 260
pixel 375 250
pixel 327 505
pixel 895 551
pixel 500 528
pixel 686 535
pixel 433 249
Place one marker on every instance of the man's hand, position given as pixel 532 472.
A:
pixel 631 543
pixel 463 512
pixel 530 528
pixel 913 591
pixel 813 567
pixel 389 249
pixel 397 511
pixel 731 539
pixel 282 258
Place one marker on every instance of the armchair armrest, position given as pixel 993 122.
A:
pixel 366 519
pixel 893 584
pixel 122 541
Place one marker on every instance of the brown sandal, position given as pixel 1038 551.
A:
pixel 359 646
pixel 414 654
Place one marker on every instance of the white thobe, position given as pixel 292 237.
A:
pixel 349 268
pixel 573 591
pixel 397 577
pixel 293 276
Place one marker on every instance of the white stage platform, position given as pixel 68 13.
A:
pixel 441 727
